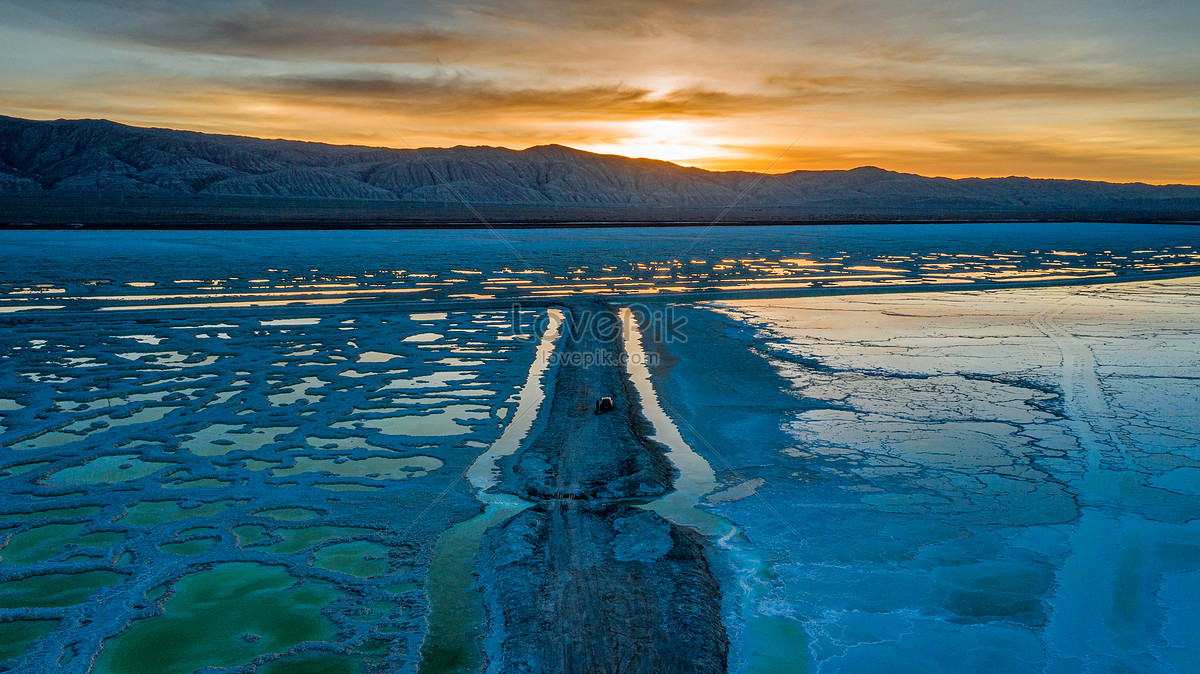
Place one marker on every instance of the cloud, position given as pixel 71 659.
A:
pixel 302 38
pixel 520 33
pixel 261 30
pixel 457 95
pixel 638 18
pixel 891 79
pixel 1073 88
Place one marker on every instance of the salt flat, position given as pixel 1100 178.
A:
pixel 995 480
pixel 982 481
pixel 231 490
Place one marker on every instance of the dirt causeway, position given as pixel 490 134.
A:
pixel 584 581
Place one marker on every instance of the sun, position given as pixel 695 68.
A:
pixel 666 139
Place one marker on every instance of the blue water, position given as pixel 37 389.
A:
pixel 482 264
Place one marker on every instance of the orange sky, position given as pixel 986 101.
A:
pixel 1100 90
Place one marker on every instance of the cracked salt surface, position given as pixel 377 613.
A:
pixel 136 508
pixel 988 481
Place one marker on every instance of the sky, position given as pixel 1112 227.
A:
pixel 1102 89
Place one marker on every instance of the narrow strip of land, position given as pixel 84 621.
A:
pixel 579 453
pixel 583 581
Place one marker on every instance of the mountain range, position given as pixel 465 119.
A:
pixel 101 172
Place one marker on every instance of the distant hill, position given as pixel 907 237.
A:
pixel 100 172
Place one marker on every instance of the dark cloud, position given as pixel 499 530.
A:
pixel 637 18
pixel 294 31
pixel 388 32
pixel 462 94
pixel 303 37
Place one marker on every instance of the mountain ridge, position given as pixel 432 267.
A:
pixel 59 158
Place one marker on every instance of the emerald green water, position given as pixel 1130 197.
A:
pixel 359 558
pixel 16 635
pixel 54 589
pixel 452 645
pixel 44 542
pixel 154 513
pixel 322 663
pixel 380 467
pixel 288 514
pixel 249 534
pixel 207 620
pixel 295 540
pixel 22 468
pixel 777 645
pixel 105 469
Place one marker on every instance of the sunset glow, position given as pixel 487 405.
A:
pixel 669 140
pixel 977 89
